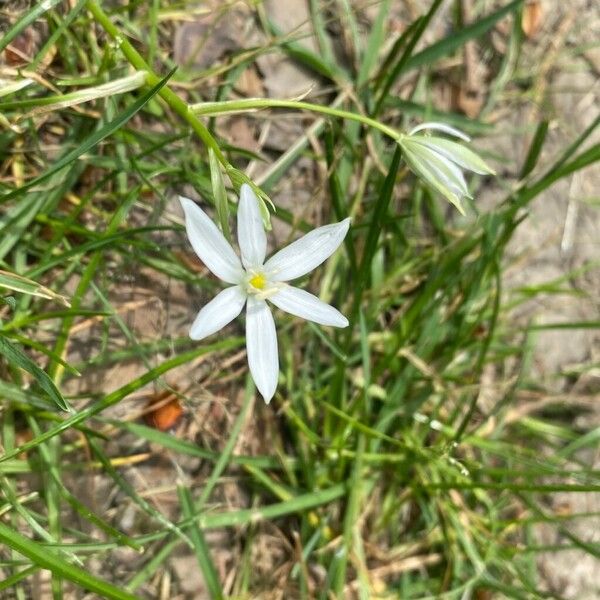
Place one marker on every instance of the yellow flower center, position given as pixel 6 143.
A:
pixel 258 281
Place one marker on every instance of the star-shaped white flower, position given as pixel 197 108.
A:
pixel 254 281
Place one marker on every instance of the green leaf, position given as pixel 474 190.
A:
pixel 458 38
pixel 308 58
pixel 18 359
pixel 24 285
pixel 92 140
pixel 192 449
pixel 374 44
pixel 201 549
pixel 535 149
pixel 46 558
pixel 27 19
pixel 419 29
pixel 124 391
pixel 379 213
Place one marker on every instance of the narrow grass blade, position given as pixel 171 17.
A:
pixel 587 157
pixel 27 19
pixel 229 446
pixel 458 38
pixel 18 359
pixel 308 58
pixel 11 281
pixel 535 149
pixel 202 551
pixel 45 558
pixel 378 215
pixel 92 140
pixel 402 62
pixel 184 447
pixel 118 395
pixel 374 43
pixel 10 582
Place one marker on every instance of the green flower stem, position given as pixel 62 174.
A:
pixel 248 104
pixel 168 95
pixel 190 113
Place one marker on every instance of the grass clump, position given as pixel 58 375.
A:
pixel 398 458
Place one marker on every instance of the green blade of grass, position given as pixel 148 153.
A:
pixel 118 395
pixel 201 549
pixel 409 46
pixel 458 38
pixel 27 19
pixel 45 558
pixel 17 283
pixel 92 140
pixel 17 358
pixel 535 149
pixel 184 447
pixel 374 43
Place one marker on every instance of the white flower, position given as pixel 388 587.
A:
pixel 254 281
pixel 438 160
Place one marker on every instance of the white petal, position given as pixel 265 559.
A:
pixel 302 304
pixel 261 345
pixel 426 173
pixel 209 243
pixel 453 174
pixel 440 127
pixel 308 252
pixel 251 232
pixel 220 311
pixel 446 171
pixel 457 153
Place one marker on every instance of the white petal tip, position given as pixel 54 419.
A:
pixel 267 399
pixel 339 321
pixel 460 207
pixel 189 206
pixel 261 347
pixel 266 393
pixel 185 202
pixel 307 253
pixel 440 127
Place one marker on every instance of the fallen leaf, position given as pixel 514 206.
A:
pixel 163 411
pixel 531 20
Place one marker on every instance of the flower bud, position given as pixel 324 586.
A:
pixel 438 161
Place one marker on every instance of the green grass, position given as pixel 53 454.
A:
pixel 376 471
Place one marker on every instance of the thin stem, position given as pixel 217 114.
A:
pixel 168 95
pixel 248 104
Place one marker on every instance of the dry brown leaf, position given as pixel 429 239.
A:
pixel 163 411
pixel 531 20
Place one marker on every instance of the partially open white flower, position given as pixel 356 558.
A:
pixel 254 281
pixel 438 161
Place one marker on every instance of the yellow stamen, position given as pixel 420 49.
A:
pixel 258 281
